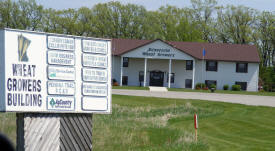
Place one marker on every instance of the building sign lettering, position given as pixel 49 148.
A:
pixel 89 60
pixel 93 46
pixel 95 75
pixel 61 88
pixel 23 87
pixel 61 43
pixel 153 52
pixel 93 89
pixel 61 58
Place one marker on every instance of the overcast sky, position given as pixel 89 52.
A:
pixel 268 5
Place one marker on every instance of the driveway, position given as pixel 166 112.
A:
pixel 231 98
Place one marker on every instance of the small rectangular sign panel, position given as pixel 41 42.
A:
pixel 61 88
pixel 89 60
pixel 61 58
pixel 94 89
pixel 61 43
pixel 54 73
pixel 94 103
pixel 61 73
pixel 60 103
pixel 94 46
pixel 94 75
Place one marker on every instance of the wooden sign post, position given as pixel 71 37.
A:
pixel 55 83
pixel 54 132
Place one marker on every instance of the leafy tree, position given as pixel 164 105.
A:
pixel 132 21
pixel 30 15
pixel 264 37
pixel 103 24
pixel 51 20
pixel 173 24
pixel 202 12
pixel 10 15
pixel 68 21
pixel 235 24
pixel 85 25
pixel 267 75
pixel 188 28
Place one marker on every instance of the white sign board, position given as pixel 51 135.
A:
pixel 89 60
pixel 61 58
pixel 94 75
pixel 44 72
pixel 91 89
pixel 61 73
pixel 94 46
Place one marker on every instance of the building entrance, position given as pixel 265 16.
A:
pixel 156 78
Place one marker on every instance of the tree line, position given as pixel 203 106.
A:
pixel 204 21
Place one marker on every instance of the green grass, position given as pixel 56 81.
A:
pixel 141 123
pixel 8 125
pixel 130 87
pixel 159 124
pixel 224 91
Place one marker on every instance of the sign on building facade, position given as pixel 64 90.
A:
pixel 43 72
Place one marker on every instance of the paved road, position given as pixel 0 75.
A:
pixel 232 98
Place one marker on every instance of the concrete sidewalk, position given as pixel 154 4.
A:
pixel 231 98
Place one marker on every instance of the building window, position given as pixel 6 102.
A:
pixel 124 80
pixel 210 82
pixel 242 84
pixel 189 64
pixel 172 78
pixel 241 67
pixel 141 76
pixel 125 61
pixel 188 83
pixel 211 65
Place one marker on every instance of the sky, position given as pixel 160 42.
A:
pixel 262 5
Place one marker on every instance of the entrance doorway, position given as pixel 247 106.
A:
pixel 156 78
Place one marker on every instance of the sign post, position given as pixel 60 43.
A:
pixel 54 82
pixel 196 125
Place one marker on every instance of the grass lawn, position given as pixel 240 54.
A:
pixel 141 123
pixel 8 125
pixel 159 124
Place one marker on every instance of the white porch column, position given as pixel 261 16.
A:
pixel 194 70
pixel 145 71
pixel 121 70
pixel 169 74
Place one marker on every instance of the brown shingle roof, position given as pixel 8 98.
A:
pixel 221 52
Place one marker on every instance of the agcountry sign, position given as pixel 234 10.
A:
pixel 44 72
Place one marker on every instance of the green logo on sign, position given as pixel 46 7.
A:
pixel 52 102
pixel 53 75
